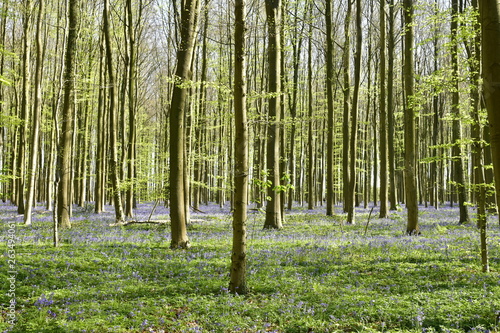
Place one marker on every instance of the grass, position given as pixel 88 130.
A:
pixel 315 275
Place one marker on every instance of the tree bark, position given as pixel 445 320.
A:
pixel 458 172
pixel 113 160
pixel 412 226
pixel 63 169
pixel 346 64
pixel 331 112
pixel 189 16
pixel 273 207
pixel 37 113
pixel 354 116
pixel 383 118
pixel 490 32
pixel 238 282
pixel 311 158
pixel 390 110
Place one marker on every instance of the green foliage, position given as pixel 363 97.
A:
pixel 310 276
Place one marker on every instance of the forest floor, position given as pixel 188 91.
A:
pixel 315 275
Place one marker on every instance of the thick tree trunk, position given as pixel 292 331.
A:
pixel 490 23
pixel 238 257
pixel 412 226
pixel 189 16
pixel 273 206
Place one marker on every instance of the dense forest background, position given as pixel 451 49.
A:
pixel 340 118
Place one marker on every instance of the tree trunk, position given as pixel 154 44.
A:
pixel 311 158
pixel 409 121
pixel 100 163
pixel 346 64
pixel 490 31
pixel 113 160
pixel 390 110
pixel 132 84
pixel 24 111
pixel 63 169
pixel 331 112
pixel 354 116
pixel 273 207
pixel 238 257
pixel 458 172
pixel 383 119
pixel 189 16
pixel 37 113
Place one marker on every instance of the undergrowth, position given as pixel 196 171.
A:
pixel 315 275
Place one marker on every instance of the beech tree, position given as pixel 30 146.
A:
pixel 189 16
pixel 273 206
pixel 411 201
pixel 238 256
pixel 63 169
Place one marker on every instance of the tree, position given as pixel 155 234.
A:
pixel 24 110
pixel 189 15
pixel 331 110
pixel 346 64
pixel 113 161
pixel 238 256
pixel 390 108
pixel 458 172
pixel 37 111
pixel 354 116
pixel 409 123
pixel 490 32
pixel 63 168
pixel 383 117
pixel 273 207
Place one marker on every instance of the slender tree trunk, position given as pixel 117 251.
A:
pixel 238 258
pixel 383 118
pixel 331 112
pixel 273 206
pixel 390 110
pixel 100 163
pixel 412 226
pixel 346 63
pixel 63 169
pixel 354 116
pixel 189 16
pixel 297 50
pixel 132 84
pixel 37 113
pixel 458 172
pixel 24 111
pixel 113 160
pixel 311 181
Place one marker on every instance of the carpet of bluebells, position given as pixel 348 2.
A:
pixel 315 275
